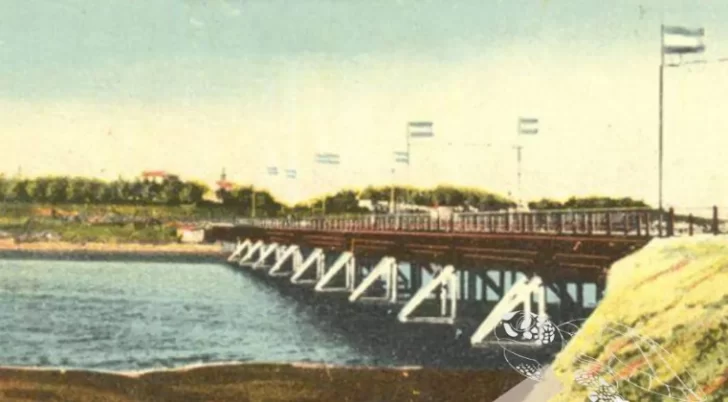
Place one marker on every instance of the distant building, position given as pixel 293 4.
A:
pixel 190 234
pixel 158 175
pixel 223 183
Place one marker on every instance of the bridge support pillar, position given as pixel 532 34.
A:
pixel 579 306
pixel 347 262
pixel 566 302
pixel 251 252
pixel 501 284
pixel 239 249
pixel 415 277
pixel 446 280
pixel 316 260
pixel 385 271
pixel 264 254
pixel 486 283
pixel 520 293
pixel 472 286
pixel 282 255
pixel 600 290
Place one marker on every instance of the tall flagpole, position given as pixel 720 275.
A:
pixel 662 73
pixel 252 196
pixel 391 195
pixel 518 157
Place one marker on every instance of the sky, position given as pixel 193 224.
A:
pixel 195 86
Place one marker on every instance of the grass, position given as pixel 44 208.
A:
pixel 673 296
pixel 19 219
pixel 79 232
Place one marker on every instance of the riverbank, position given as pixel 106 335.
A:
pixel 661 330
pixel 112 251
pixel 256 382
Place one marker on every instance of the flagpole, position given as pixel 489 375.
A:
pixel 409 158
pixel 518 158
pixel 391 195
pixel 252 202
pixel 660 141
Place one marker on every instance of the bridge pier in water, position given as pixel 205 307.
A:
pixel 473 298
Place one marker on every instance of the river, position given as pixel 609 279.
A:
pixel 105 315
pixel 132 316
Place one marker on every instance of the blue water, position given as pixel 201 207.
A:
pixel 131 316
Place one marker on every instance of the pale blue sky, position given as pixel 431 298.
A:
pixel 114 87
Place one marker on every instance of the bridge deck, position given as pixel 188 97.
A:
pixel 544 254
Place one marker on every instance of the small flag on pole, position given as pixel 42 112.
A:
pixel 420 129
pixel 327 158
pixel 401 157
pixel 527 126
pixel 291 173
pixel 273 171
pixel 680 40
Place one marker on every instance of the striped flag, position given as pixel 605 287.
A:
pixel 401 157
pixel 420 129
pixel 273 171
pixel 680 40
pixel 291 173
pixel 527 126
pixel 327 158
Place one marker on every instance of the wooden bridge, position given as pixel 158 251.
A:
pixel 474 260
pixel 579 243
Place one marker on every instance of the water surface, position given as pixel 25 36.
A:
pixel 130 316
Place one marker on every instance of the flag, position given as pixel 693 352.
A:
pixel 680 40
pixel 273 171
pixel 291 173
pixel 401 157
pixel 327 158
pixel 527 126
pixel 420 129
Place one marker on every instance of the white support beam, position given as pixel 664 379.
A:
pixel 393 283
pixel 280 251
pixel 345 261
pixel 520 293
pixel 251 251
pixel 264 254
pixel 447 280
pixel 315 258
pixel 292 252
pixel 239 250
pixel 385 267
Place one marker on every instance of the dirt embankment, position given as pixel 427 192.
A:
pixel 257 383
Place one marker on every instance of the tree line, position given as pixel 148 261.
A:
pixel 80 190
pixel 173 191
pixel 587 203
pixel 446 196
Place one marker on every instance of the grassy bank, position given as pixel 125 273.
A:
pixel 252 383
pixel 661 329
pixel 101 223
pixel 43 229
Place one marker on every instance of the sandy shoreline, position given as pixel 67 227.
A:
pixel 176 248
pixel 181 253
pixel 256 382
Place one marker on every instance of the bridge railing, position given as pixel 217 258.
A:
pixel 583 222
pixel 608 222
